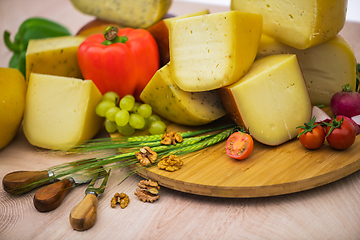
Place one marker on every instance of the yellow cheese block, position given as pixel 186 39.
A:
pixel 54 56
pixel 298 23
pixel 60 111
pixel 160 33
pixel 193 14
pixel 213 50
pixel 271 100
pixel 178 106
pixel 129 13
pixel 326 67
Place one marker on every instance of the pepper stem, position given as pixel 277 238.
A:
pixel 111 36
pixel 13 47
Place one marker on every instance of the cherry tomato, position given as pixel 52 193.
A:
pixel 239 145
pixel 311 135
pixel 340 133
pixel 313 139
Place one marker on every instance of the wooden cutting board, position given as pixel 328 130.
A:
pixel 268 171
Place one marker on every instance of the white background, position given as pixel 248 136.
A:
pixel 353 11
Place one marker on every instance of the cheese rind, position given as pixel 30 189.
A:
pixel 178 106
pixel 60 112
pixel 298 23
pixel 54 56
pixel 326 67
pixel 213 50
pixel 271 100
pixel 129 13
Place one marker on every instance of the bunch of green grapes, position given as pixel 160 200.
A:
pixel 125 115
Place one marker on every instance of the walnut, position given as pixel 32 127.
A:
pixel 113 202
pixel 149 185
pixel 147 191
pixel 146 196
pixel 146 156
pixel 171 138
pixel 171 163
pixel 121 198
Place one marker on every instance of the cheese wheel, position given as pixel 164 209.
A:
pixel 160 33
pixel 193 14
pixel 213 50
pixel 271 100
pixel 176 105
pixel 60 111
pixel 326 67
pixel 298 23
pixel 129 13
pixel 54 56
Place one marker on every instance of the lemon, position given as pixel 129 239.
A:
pixel 12 103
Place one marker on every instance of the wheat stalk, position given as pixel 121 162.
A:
pixel 99 145
pixel 127 159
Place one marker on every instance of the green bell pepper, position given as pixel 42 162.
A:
pixel 32 28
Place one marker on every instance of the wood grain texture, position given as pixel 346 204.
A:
pixel 268 171
pixel 331 211
pixel 51 196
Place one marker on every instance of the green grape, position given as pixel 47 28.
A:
pixel 157 127
pixel 130 96
pixel 146 124
pixel 154 118
pixel 110 126
pixel 136 121
pixel 127 102
pixel 103 106
pixel 145 110
pixel 122 117
pixel 111 113
pixel 111 96
pixel 126 130
pixel 135 107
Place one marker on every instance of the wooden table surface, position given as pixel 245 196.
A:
pixel 328 212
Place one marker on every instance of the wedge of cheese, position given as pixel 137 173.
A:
pixel 326 67
pixel 129 13
pixel 298 23
pixel 271 100
pixel 160 33
pixel 178 106
pixel 60 111
pixel 193 14
pixel 54 56
pixel 213 50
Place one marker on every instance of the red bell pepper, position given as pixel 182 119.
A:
pixel 121 60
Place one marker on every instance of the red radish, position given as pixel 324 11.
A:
pixel 346 102
pixel 356 119
pixel 320 115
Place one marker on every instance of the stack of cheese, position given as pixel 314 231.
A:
pixel 216 53
pixel 60 106
pixel 204 55
pixel 309 29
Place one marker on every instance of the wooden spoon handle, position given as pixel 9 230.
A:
pixel 51 196
pixel 83 215
pixel 15 182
